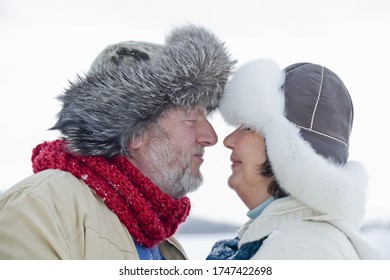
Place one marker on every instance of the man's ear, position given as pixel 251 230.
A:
pixel 136 143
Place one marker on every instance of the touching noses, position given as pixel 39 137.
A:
pixel 206 135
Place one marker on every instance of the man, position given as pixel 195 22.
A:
pixel 134 132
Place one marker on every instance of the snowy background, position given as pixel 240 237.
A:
pixel 44 44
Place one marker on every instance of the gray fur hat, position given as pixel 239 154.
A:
pixel 128 53
pixel 131 84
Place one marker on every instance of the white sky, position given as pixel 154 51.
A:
pixel 43 44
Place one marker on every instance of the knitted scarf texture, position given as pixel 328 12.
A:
pixel 149 214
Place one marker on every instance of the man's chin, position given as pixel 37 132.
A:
pixel 191 184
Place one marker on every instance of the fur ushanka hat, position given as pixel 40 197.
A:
pixel 305 114
pixel 131 84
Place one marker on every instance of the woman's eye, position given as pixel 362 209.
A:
pixel 247 128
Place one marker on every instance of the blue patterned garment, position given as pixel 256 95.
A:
pixel 228 249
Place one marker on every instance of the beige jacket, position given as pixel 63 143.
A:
pixel 54 215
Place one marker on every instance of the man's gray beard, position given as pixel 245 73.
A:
pixel 171 168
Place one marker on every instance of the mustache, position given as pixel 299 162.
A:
pixel 198 149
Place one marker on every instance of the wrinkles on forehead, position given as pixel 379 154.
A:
pixel 185 113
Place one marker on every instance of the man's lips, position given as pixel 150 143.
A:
pixel 199 157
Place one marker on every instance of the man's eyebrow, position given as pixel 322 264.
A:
pixel 200 111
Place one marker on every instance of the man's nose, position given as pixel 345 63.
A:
pixel 206 135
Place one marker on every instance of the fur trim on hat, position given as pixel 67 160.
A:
pixel 241 102
pixel 254 98
pixel 103 111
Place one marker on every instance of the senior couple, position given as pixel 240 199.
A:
pixel 134 132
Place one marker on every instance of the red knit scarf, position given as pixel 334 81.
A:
pixel 149 215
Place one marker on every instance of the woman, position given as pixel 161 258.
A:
pixel 290 165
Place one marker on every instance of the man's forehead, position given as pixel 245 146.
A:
pixel 184 112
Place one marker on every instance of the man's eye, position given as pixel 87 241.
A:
pixel 191 122
pixel 247 128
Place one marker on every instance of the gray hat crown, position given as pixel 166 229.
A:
pixel 131 84
pixel 127 52
pixel 318 102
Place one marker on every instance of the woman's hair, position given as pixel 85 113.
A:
pixel 273 189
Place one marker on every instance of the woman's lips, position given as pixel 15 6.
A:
pixel 235 162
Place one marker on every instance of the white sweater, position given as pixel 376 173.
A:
pixel 296 231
